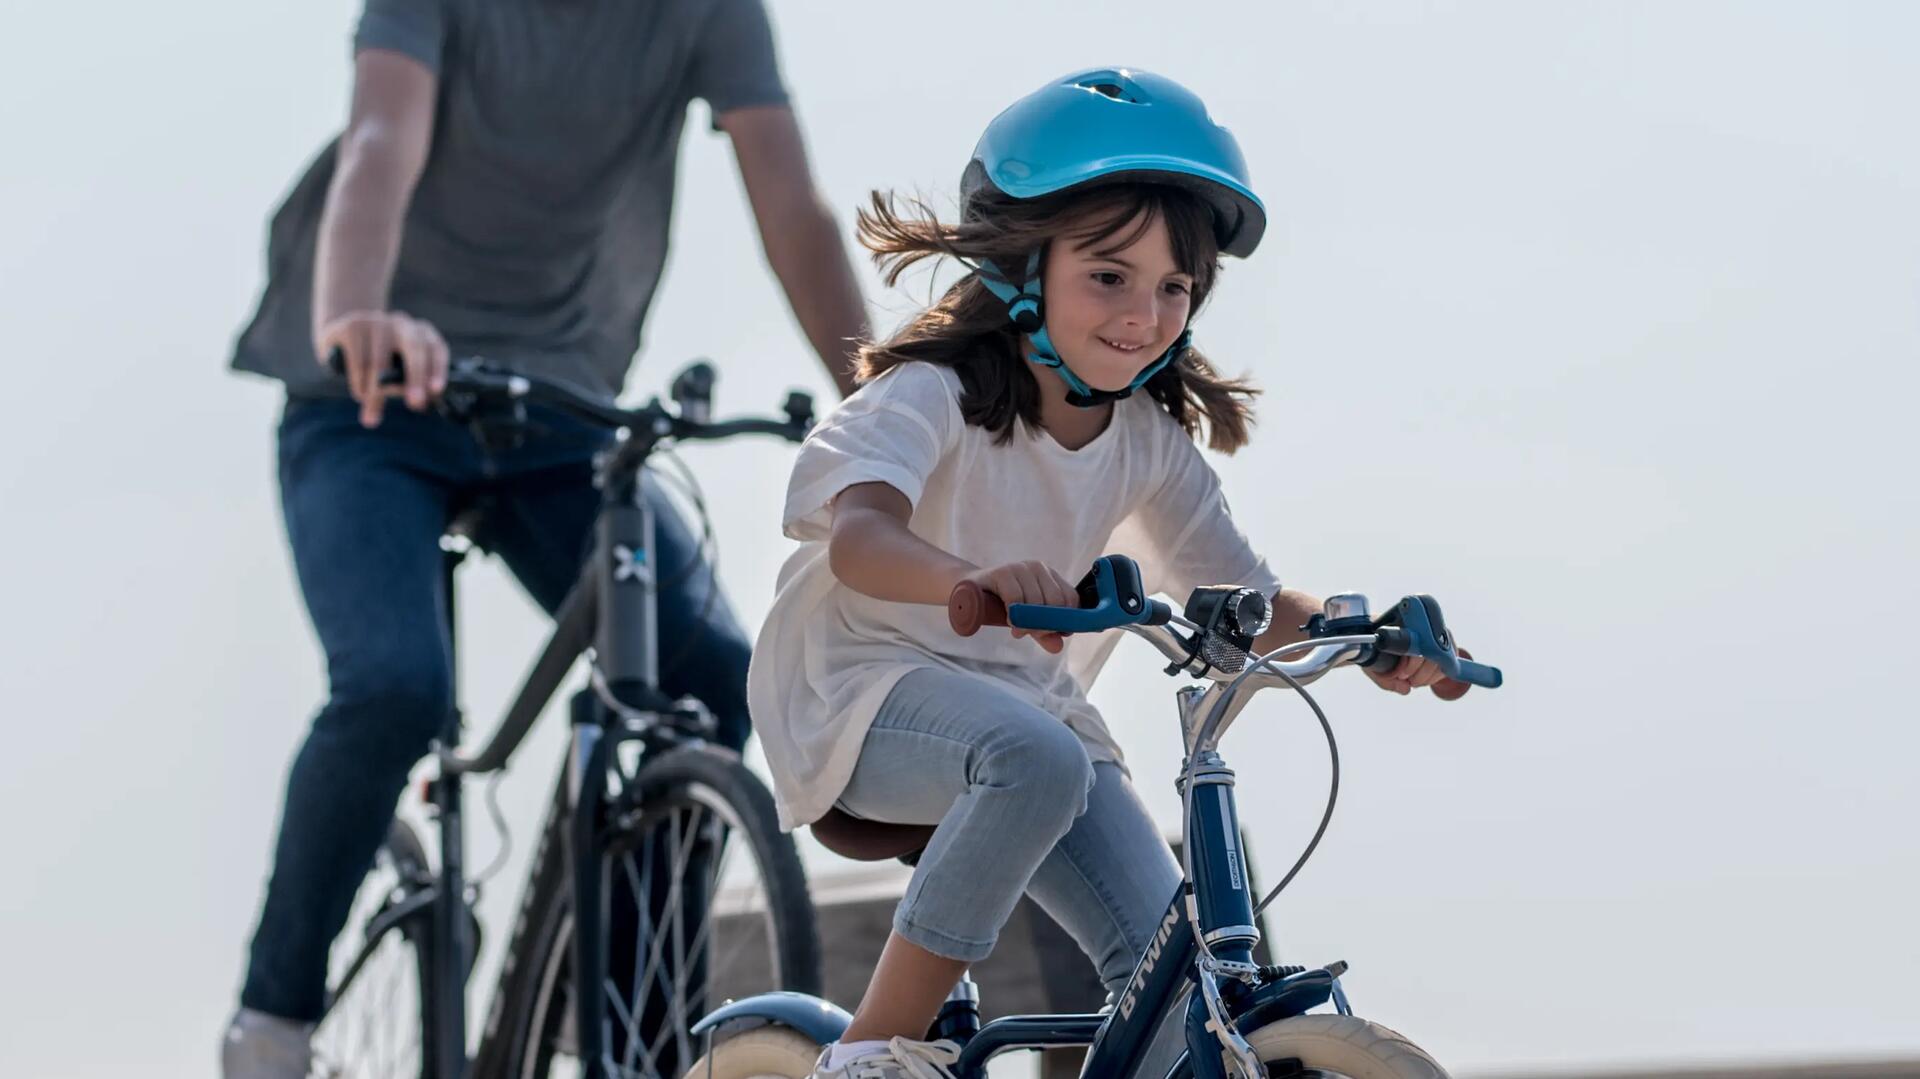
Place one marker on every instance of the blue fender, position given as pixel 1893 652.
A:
pixel 1268 1004
pixel 818 1019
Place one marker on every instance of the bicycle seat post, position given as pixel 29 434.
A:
pixel 456 543
pixel 450 908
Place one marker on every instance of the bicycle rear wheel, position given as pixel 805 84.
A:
pixel 378 1006
pixel 706 901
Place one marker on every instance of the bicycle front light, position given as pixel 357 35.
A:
pixel 1237 615
pixel 1251 612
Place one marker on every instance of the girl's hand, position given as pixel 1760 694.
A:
pixel 1029 582
pixel 1414 672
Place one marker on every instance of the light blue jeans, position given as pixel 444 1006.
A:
pixel 1020 808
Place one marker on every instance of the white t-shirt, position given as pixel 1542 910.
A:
pixel 827 656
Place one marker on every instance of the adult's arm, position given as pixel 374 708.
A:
pixel 802 241
pixel 379 161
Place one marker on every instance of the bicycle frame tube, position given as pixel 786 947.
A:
pixel 628 624
pixel 450 931
pixel 1218 898
pixel 586 792
pixel 1025 1032
pixel 449 973
pixel 573 631
pixel 623 569
pixel 1220 885
pixel 1158 977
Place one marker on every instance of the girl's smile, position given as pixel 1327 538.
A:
pixel 1116 303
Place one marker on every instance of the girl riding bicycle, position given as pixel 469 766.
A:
pixel 1041 413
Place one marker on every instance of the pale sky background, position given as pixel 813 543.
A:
pixel 1599 321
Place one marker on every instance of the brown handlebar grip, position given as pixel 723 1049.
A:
pixel 971 606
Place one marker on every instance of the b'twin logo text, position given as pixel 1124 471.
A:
pixel 1146 967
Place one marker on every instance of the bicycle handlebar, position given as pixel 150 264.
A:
pixel 474 376
pixel 1111 596
pixel 971 607
pixel 1414 627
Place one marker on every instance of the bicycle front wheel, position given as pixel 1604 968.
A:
pixel 378 1006
pixel 1338 1047
pixel 706 901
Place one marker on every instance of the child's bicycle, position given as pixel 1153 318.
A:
pixel 1247 1019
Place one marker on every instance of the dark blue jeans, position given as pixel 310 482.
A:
pixel 364 513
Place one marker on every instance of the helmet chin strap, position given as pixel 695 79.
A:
pixel 1025 310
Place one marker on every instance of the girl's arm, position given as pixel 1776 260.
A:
pixel 873 552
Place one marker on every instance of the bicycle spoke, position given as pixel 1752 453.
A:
pixel 643 932
pixel 666 948
pixel 372 1029
pixel 690 999
pixel 717 968
pixel 751 936
pixel 631 1022
pixel 749 940
pixel 690 955
pixel 672 875
pixel 656 970
pixel 680 973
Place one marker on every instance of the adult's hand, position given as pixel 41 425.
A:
pixel 369 341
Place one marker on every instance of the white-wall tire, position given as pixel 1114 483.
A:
pixel 1345 1045
pixel 770 1052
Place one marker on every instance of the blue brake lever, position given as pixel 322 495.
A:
pixel 1119 600
pixel 1424 642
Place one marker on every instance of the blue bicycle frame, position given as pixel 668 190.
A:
pixel 1120 1038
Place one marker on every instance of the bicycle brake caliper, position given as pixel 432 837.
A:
pixel 1240 1055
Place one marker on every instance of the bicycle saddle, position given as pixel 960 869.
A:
pixel 871 840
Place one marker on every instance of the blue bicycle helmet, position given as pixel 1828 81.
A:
pixel 1107 125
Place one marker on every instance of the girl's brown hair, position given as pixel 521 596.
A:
pixel 967 328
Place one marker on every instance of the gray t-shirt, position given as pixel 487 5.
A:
pixel 538 230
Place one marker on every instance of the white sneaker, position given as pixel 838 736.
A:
pixel 262 1046
pixel 901 1058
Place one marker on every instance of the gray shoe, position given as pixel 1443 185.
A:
pixel 262 1046
pixel 901 1058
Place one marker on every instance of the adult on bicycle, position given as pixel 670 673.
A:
pixel 504 186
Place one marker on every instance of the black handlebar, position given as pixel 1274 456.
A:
pixel 473 378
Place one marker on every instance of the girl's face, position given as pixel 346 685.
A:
pixel 1114 306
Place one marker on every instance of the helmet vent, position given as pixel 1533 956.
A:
pixel 1114 86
